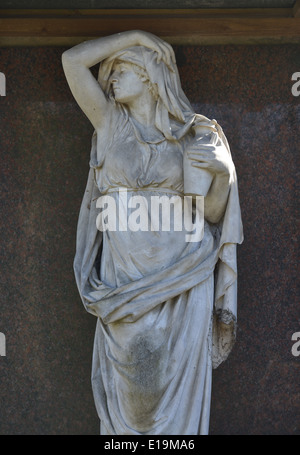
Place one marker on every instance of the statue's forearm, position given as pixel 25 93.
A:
pixel 216 199
pixel 91 52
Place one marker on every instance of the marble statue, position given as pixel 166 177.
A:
pixel 165 306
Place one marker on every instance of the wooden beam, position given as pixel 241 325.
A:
pixel 160 25
pixel 64 27
pixel 296 9
pixel 187 12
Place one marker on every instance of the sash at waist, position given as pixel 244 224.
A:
pixel 143 189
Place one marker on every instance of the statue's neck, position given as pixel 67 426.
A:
pixel 143 109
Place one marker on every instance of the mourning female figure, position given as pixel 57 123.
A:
pixel 165 302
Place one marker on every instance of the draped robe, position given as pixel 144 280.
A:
pixel 158 299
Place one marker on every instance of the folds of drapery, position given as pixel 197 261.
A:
pixel 132 300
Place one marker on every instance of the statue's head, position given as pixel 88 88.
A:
pixel 174 113
pixel 163 82
pixel 129 80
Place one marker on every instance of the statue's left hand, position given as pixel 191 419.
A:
pixel 164 50
pixel 214 158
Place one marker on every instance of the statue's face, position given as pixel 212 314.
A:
pixel 125 83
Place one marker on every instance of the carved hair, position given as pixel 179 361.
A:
pixel 143 75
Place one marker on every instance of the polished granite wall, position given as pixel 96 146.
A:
pixel 44 144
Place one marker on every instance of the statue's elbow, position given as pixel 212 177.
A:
pixel 213 214
pixel 66 58
pixel 212 219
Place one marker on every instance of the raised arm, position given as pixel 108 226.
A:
pixel 77 61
